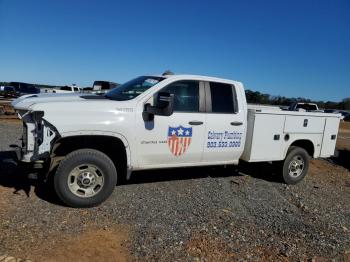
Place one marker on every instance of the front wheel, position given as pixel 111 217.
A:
pixel 295 166
pixel 85 178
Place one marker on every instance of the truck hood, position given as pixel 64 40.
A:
pixel 77 114
pixel 26 101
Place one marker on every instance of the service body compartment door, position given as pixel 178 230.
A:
pixel 304 124
pixel 329 137
pixel 267 139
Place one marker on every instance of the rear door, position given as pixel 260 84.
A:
pixel 225 124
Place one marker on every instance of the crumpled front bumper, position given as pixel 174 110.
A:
pixel 37 137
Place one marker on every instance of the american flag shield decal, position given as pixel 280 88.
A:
pixel 179 139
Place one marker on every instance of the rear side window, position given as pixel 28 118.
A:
pixel 186 95
pixel 222 100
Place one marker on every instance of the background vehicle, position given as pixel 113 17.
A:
pixel 101 87
pixel 344 114
pixel 168 121
pixel 67 89
pixel 309 107
pixel 346 117
pixel 7 91
pixel 24 89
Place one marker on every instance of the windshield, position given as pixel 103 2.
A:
pixel 133 88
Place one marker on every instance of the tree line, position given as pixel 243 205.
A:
pixel 256 97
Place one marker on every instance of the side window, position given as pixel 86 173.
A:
pixel 186 95
pixel 222 100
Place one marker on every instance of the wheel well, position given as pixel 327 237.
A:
pixel 305 144
pixel 113 147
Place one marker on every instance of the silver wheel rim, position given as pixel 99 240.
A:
pixel 296 166
pixel 85 180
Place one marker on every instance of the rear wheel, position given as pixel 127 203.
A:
pixel 295 166
pixel 85 178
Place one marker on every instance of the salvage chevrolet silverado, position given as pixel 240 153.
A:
pixel 89 141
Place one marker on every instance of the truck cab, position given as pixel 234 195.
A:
pixel 202 108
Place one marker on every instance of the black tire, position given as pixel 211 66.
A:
pixel 79 158
pixel 291 177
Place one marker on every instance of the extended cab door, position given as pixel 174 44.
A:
pixel 225 124
pixel 178 139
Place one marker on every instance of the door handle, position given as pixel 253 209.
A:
pixel 236 123
pixel 195 123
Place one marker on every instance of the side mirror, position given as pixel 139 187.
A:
pixel 163 107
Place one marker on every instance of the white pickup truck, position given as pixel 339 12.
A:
pixel 67 89
pixel 88 142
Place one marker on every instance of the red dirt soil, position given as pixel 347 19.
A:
pixel 92 245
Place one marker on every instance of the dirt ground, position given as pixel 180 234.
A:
pixel 195 214
pixel 108 244
pixel 5 108
pixel 94 244
pixel 343 142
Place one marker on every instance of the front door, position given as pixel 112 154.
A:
pixel 175 140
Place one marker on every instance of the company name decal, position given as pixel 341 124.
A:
pixel 224 139
pixel 179 139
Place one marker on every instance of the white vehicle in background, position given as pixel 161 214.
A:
pixel 91 141
pixel 301 106
pixel 102 87
pixel 68 89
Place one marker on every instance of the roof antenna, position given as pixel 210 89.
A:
pixel 167 72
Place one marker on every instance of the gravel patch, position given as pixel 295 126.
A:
pixel 10 133
pixel 210 214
